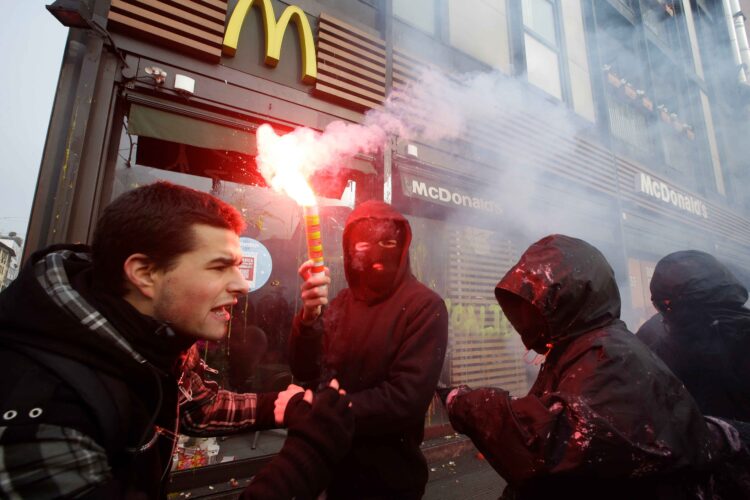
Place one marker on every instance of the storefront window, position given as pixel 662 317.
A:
pixel 461 260
pixel 456 254
pixel 463 264
pixel 253 355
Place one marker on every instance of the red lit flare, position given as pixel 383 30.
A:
pixel 282 160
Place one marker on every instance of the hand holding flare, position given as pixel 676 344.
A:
pixel 314 290
pixel 285 162
pixel 314 272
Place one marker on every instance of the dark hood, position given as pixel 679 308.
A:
pixel 53 306
pixel 377 211
pixel 568 283
pixel 691 277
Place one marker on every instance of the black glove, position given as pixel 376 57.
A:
pixel 328 424
pixel 442 393
pixel 296 409
pixel 319 436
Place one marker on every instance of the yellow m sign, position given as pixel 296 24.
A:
pixel 274 34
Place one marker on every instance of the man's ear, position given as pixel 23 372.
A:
pixel 139 272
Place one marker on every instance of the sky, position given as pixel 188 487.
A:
pixel 31 47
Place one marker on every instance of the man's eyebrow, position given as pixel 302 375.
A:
pixel 227 261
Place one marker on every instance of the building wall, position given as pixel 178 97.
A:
pixel 358 63
pixel 5 262
pixel 14 243
pixel 574 168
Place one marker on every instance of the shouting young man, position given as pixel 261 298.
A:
pixel 93 347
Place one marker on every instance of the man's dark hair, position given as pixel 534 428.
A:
pixel 155 220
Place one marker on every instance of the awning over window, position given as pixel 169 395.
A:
pixel 204 146
pixel 172 127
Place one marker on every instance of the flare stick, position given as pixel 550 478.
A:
pixel 314 241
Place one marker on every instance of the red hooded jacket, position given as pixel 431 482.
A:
pixel 387 351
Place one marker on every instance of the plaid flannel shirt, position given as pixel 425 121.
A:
pixel 209 411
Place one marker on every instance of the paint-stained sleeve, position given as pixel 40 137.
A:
pixel 401 400
pixel 589 424
pixel 512 434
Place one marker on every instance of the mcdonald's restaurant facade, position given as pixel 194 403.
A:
pixel 175 90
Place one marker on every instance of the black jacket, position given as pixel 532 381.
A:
pixel 605 418
pixel 702 331
pixel 56 439
pixel 387 353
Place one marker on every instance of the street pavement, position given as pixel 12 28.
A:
pixel 465 477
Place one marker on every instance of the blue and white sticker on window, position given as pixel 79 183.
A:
pixel 257 263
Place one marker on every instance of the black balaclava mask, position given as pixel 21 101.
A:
pixel 375 248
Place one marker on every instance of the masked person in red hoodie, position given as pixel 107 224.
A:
pixel 605 418
pixel 384 339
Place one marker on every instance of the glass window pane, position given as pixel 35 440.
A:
pixel 418 13
pixel 461 262
pixel 539 15
pixel 542 66
pixel 252 357
pixel 480 29
pixel 629 124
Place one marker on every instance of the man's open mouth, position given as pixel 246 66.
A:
pixel 221 313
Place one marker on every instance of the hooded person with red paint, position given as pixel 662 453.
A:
pixel 605 418
pixel 384 338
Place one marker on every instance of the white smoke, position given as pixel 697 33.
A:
pixel 436 107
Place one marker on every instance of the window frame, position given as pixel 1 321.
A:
pixel 519 30
pixel 437 28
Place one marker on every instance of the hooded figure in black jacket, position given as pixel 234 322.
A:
pixel 702 331
pixel 96 374
pixel 605 418
pixel 384 338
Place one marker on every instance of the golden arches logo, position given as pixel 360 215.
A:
pixel 274 34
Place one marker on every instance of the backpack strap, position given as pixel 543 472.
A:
pixel 106 397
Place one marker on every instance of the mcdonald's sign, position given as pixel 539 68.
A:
pixel 274 34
